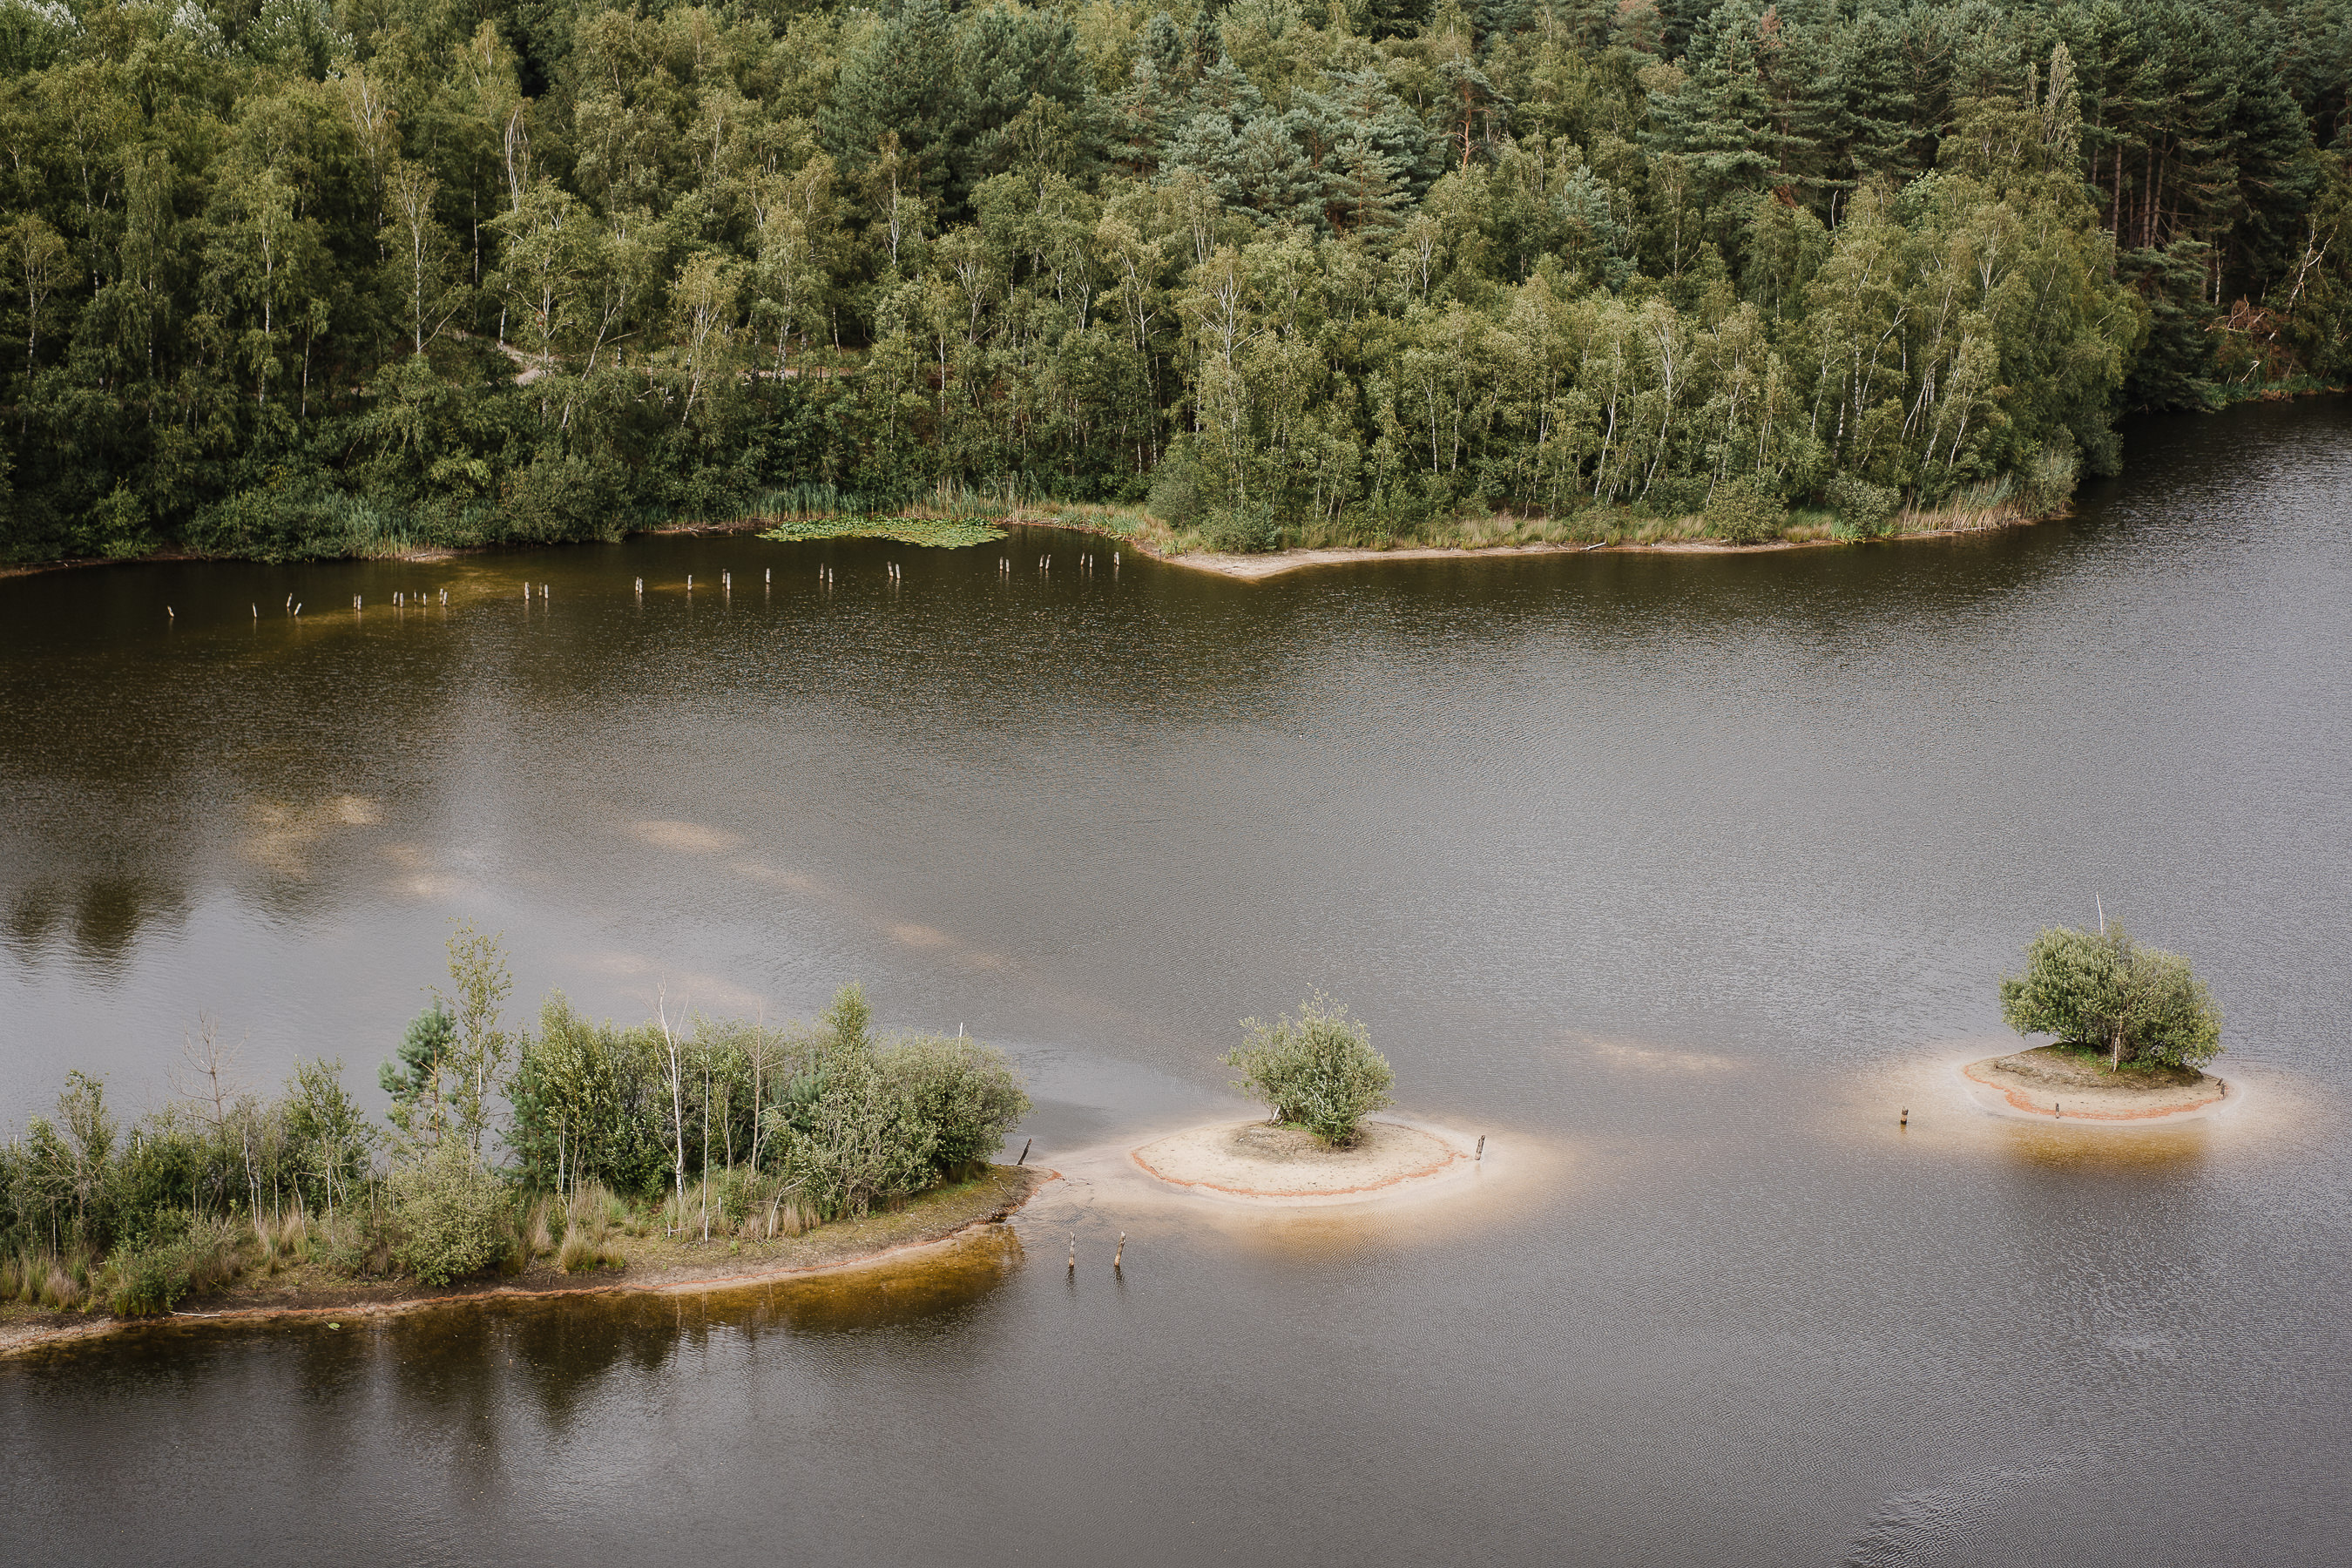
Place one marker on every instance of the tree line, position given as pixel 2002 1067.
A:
pixel 287 278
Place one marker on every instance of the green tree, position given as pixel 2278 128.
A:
pixel 2101 989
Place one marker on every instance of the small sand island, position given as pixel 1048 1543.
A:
pixel 1257 1161
pixel 1322 1080
pixel 2135 1030
pixel 2070 1085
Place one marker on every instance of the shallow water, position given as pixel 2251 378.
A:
pixel 1677 877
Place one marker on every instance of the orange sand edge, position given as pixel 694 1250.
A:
pixel 2016 1097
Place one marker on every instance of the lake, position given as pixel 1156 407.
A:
pixel 1676 876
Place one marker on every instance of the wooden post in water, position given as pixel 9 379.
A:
pixel 1074 1252
pixel 1120 1254
pixel 1906 1119
pixel 1480 1156
pixel 1025 1151
pixel 171 614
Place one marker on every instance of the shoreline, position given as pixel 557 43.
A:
pixel 1237 568
pixel 55 1330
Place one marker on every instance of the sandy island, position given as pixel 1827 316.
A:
pixel 2063 1086
pixel 673 1268
pixel 1252 1162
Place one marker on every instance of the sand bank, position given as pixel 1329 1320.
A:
pixel 2058 1086
pixel 1250 1162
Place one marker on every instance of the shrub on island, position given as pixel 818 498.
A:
pixel 2101 990
pixel 1318 1072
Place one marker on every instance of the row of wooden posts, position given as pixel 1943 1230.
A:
pixel 894 572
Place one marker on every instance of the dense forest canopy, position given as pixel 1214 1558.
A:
pixel 289 277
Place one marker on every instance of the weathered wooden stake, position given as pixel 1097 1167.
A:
pixel 171 614
pixel 1025 1151
pixel 1481 1154
pixel 689 582
pixel 1074 1252
pixel 1121 1253
pixel 1905 1120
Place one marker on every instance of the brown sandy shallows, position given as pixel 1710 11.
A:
pixel 658 1265
pixel 1254 1162
pixel 2069 1085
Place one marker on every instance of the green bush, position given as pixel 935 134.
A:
pixel 1862 508
pixel 452 1215
pixel 1740 512
pixel 857 1124
pixel 2049 483
pixel 2101 989
pixel 151 1280
pixel 966 1092
pixel 1318 1071
pixel 1242 531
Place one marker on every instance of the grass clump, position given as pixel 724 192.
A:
pixel 1318 1072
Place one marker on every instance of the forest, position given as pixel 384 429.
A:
pixel 284 279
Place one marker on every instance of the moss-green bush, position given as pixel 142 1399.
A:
pixel 1318 1072
pixel 452 1215
pixel 1740 512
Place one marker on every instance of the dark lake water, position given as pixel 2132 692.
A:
pixel 1674 875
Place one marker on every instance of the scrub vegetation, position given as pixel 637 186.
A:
pixel 570 1144
pixel 287 278
pixel 1318 1072
pixel 2102 993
